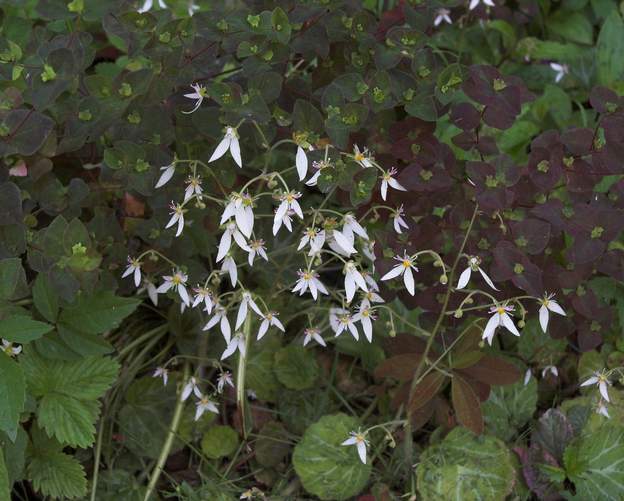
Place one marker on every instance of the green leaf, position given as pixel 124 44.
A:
pixel 5 486
pixel 466 467
pixel 296 367
pixel 68 391
pixel 15 454
pixel 28 131
pixel 12 394
pixel 98 313
pixel 572 26
pixel 609 49
pixel 260 376
pixel 306 118
pixel 219 441
pixel 326 468
pixel 45 298
pixel 595 463
pixel 272 445
pixel 281 25
pixel 509 408
pixel 11 271
pixel 54 473
pixel 22 329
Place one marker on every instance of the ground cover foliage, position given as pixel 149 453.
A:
pixel 424 175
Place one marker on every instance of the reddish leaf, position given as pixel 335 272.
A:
pixel 466 404
pixel 403 343
pixel 430 385
pixel 399 367
pixel 492 370
pixel 467 359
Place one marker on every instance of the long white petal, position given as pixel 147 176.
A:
pixel 554 306
pixel 224 245
pixel 490 328
pixel 183 294
pixel 231 348
pixel 591 380
pixel 226 330
pixel 137 276
pixel 367 327
pixel 359 280
pixel 349 441
pixel 602 386
pixel 394 272
pixel 487 279
pixel 240 240
pixel 384 189
pixel 509 325
pixel 543 317
pixel 235 151
pixel 243 222
pixel 241 315
pixel 180 225
pixel 396 185
pixel 408 279
pixel 464 278
pixel 349 286
pixel 264 327
pixel 276 322
pixel 166 176
pixel 361 448
pixel 302 163
pixel 344 244
pixel 221 148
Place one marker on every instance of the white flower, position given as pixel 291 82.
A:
pixel 246 301
pixel 241 207
pixel 133 268
pixel 343 244
pixel 318 166
pixel 351 226
pixel 309 279
pixel 177 216
pixel 397 220
pixel 257 248
pixel 198 96
pixel 177 281
pixel 301 163
pixel 288 203
pixel 203 295
pixel 341 320
pixel 601 409
pixel 499 318
pixel 229 266
pixel 353 280
pixel 236 343
pixel 365 317
pixel 561 70
pixel 600 379
pixel 152 292
pixel 231 230
pixel 193 188
pixel 313 237
pixel 550 368
pixel 405 267
pixel 362 157
pixel 225 378
pixel 372 297
pixel 270 319
pixel 527 376
pixel 474 263
pixel 204 404
pixel 10 349
pixel 191 387
pixel 220 317
pixel 165 177
pixel 315 334
pixel 147 5
pixel 387 179
pixel 368 249
pixel 163 373
pixel 358 439
pixel 548 304
pixel 442 15
pixel 192 8
pixel 229 142
pixel 474 3
pixel 286 221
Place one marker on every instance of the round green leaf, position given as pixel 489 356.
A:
pixel 296 367
pixel 326 468
pixel 219 441
pixel 467 468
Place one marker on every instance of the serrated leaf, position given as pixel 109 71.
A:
pixel 465 467
pixel 69 420
pixel 326 468
pixel 595 463
pixel 45 298
pixel 12 394
pixel 98 313
pixel 56 474
pixel 22 329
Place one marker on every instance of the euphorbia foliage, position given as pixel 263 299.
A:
pixel 377 241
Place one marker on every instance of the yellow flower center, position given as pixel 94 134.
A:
pixel 407 263
pixel 359 157
pixel 501 310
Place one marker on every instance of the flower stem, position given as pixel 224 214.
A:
pixel 241 399
pixel 173 430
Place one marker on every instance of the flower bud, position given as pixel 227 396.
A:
pixel 443 279
pixel 392 333
pixel 469 300
pixel 521 323
pixel 272 184
pixel 458 314
pixel 481 344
